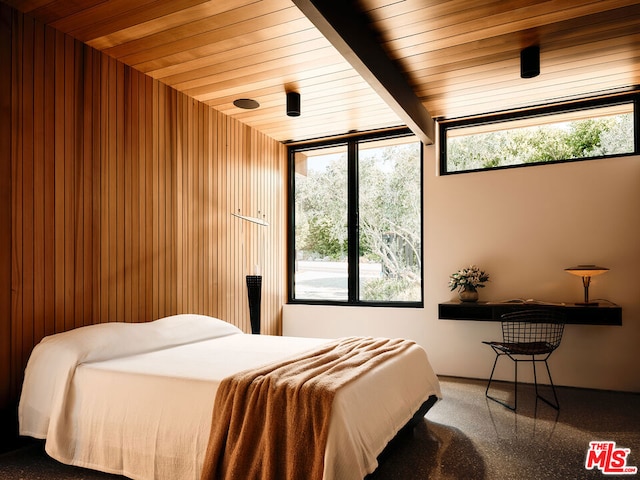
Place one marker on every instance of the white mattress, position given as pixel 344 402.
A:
pixel 148 415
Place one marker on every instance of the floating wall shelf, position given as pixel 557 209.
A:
pixel 491 312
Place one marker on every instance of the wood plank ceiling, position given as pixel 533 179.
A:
pixel 460 57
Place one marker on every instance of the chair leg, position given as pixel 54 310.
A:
pixel 515 387
pixel 486 392
pixel 514 407
pixel 535 377
pixel 553 389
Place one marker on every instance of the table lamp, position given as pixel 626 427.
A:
pixel 586 272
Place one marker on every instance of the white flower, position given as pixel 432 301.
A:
pixel 470 278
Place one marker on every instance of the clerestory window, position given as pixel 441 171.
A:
pixel 569 132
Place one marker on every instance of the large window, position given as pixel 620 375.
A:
pixel 580 131
pixel 356 222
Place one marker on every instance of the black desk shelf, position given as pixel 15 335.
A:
pixel 491 312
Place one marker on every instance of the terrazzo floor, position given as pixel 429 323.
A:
pixel 464 436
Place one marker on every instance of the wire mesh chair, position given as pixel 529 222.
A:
pixel 528 336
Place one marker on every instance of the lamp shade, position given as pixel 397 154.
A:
pixel 586 270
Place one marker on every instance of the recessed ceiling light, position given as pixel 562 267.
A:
pixel 246 103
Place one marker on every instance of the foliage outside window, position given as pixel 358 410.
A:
pixel 356 229
pixel 585 133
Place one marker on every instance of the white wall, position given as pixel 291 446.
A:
pixel 523 226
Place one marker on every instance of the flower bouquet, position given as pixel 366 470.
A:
pixel 467 281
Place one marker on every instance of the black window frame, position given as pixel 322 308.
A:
pixel 352 142
pixel 541 111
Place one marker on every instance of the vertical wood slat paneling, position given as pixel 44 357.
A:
pixel 17 351
pixel 58 181
pixel 120 225
pixel 49 241
pixel 5 203
pixel 27 197
pixel 127 173
pixel 70 220
pixel 122 193
pixel 38 181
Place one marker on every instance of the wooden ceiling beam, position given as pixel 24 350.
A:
pixel 349 32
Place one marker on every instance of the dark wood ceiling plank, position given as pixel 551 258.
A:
pixel 29 6
pixel 47 11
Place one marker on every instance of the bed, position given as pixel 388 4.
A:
pixel 137 399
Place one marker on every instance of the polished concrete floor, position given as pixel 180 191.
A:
pixel 464 436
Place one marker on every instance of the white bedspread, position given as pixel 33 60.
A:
pixel 137 399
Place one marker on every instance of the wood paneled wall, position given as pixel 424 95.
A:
pixel 5 208
pixel 122 191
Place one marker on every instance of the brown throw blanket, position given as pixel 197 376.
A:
pixel 272 423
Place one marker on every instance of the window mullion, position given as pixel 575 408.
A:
pixel 636 125
pixel 353 223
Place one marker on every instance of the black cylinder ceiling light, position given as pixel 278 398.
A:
pixel 530 62
pixel 293 104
